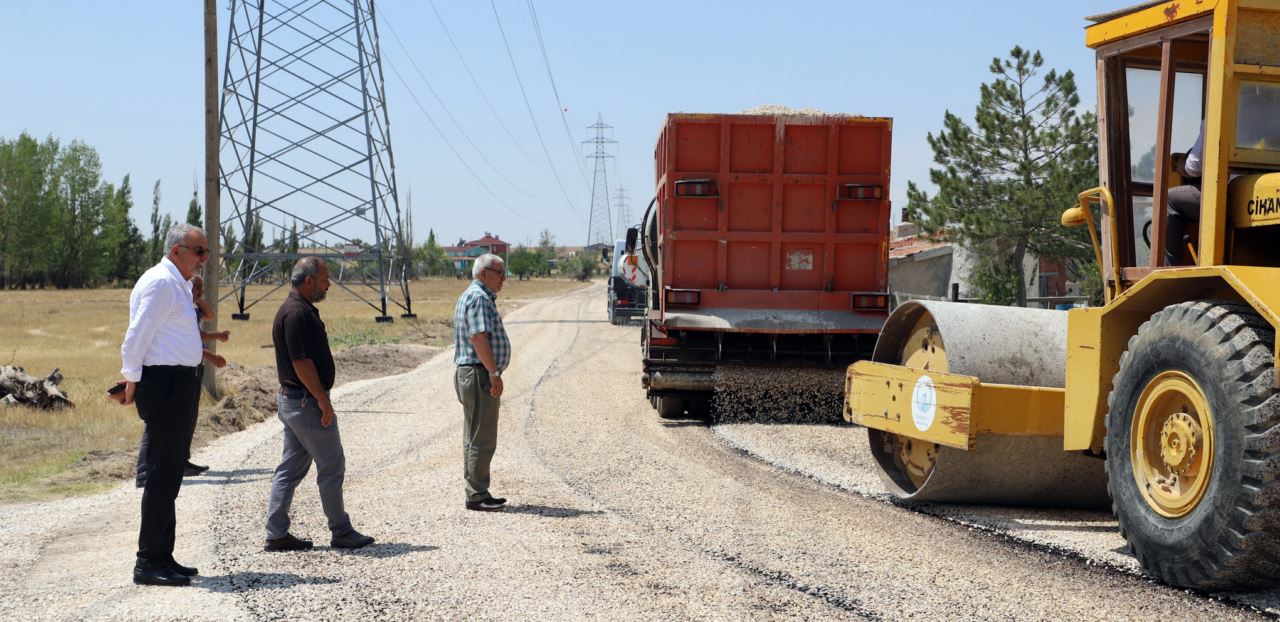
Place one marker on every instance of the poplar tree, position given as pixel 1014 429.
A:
pixel 1004 180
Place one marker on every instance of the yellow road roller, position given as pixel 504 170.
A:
pixel 1164 403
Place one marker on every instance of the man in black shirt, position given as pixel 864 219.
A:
pixel 305 368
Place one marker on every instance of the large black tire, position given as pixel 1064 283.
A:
pixel 670 407
pixel 1229 537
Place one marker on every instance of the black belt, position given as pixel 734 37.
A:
pixel 480 365
pixel 179 370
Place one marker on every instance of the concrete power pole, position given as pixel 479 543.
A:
pixel 599 229
pixel 212 190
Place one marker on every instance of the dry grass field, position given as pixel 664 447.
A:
pixel 79 332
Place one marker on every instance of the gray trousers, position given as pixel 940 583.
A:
pixel 306 440
pixel 479 428
pixel 1184 209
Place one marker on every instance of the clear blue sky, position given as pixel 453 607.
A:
pixel 126 77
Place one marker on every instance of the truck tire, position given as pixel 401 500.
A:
pixel 1193 447
pixel 670 407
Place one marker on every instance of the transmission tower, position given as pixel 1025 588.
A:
pixel 621 199
pixel 599 229
pixel 305 135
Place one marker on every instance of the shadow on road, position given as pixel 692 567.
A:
pixel 250 581
pixel 383 550
pixel 548 511
pixel 226 478
pixel 688 423
pixel 517 322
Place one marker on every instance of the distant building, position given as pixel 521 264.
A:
pixel 924 266
pixel 465 252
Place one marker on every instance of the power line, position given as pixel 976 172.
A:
pixel 529 108
pixel 546 60
pixel 461 161
pixel 457 125
pixel 483 95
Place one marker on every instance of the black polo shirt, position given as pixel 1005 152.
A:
pixel 298 333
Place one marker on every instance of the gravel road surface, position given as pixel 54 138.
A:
pixel 614 514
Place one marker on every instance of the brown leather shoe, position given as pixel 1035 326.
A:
pixel 288 543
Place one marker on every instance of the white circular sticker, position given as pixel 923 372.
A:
pixel 924 403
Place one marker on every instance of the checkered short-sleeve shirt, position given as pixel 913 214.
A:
pixel 477 312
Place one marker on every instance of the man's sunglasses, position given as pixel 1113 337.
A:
pixel 500 272
pixel 200 251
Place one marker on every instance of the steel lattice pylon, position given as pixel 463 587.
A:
pixel 306 146
pixel 599 228
pixel 624 211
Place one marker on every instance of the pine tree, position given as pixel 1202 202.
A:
pixel 1004 182
pixel 160 226
pixel 195 215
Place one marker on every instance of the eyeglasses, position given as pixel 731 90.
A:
pixel 200 251
pixel 500 272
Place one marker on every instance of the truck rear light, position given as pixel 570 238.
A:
pixel 659 337
pixel 861 192
pixel 623 301
pixel 697 188
pixel 870 300
pixel 683 297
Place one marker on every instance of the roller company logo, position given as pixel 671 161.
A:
pixel 1259 206
pixel 924 403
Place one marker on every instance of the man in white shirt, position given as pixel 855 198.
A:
pixel 162 353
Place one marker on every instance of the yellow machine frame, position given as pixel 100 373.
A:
pixel 879 396
pixel 1097 337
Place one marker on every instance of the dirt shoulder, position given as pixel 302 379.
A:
pixel 250 397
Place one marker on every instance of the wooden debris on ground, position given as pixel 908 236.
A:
pixel 18 388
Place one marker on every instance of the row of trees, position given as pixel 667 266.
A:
pixel 523 262
pixel 62 225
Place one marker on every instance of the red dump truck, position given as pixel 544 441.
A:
pixel 768 244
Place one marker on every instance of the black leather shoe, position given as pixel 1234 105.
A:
pixel 353 540
pixel 186 571
pixel 288 543
pixel 159 576
pixel 194 469
pixel 487 505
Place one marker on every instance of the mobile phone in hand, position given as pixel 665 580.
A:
pixel 116 392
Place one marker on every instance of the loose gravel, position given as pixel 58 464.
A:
pixel 614 514
pixel 778 394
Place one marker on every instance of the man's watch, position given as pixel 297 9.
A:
pixel 497 373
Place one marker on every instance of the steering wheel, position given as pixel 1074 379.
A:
pixel 1146 234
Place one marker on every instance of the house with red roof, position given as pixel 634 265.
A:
pixel 462 254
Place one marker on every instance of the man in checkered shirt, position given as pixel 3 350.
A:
pixel 481 351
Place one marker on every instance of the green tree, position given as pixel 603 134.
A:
pixel 582 266
pixel 524 262
pixel 160 225
pixel 431 258
pixel 546 252
pixel 195 215
pixel 79 254
pixel 125 244
pixel 28 206
pixel 1004 181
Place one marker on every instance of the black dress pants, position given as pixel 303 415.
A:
pixel 167 399
pixel 141 468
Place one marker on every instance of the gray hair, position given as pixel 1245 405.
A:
pixel 305 267
pixel 178 233
pixel 487 260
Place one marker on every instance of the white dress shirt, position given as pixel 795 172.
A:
pixel 1195 157
pixel 162 322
